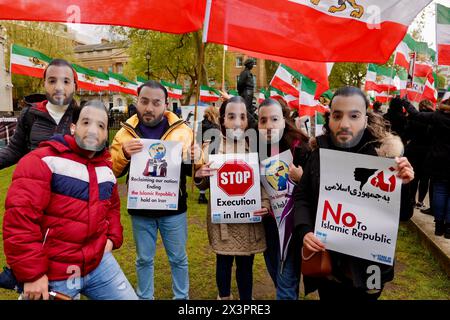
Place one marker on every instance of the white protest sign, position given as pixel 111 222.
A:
pixel 274 176
pixel 155 176
pixel 359 205
pixel 235 188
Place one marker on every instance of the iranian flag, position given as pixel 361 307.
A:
pixel 118 83
pixel 317 71
pixel 414 94
pixel 174 16
pixel 400 82
pixel 262 95
pixel 90 79
pixel 140 81
pixel 429 91
pixel 379 78
pixel 383 97
pixel 276 94
pixel 423 68
pixel 443 34
pixel 294 84
pixel 313 30
pixel 174 90
pixel 208 94
pixel 403 52
pixel 28 62
pixel 286 80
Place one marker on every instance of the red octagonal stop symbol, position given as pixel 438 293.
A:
pixel 235 177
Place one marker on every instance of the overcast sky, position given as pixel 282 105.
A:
pixel 95 33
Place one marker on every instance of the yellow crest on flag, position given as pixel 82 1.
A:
pixel 356 13
pixel 37 62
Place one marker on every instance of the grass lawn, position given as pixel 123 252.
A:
pixel 418 275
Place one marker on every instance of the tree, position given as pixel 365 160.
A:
pixel 48 38
pixel 174 57
pixel 347 74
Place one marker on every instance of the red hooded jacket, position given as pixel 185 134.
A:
pixel 61 208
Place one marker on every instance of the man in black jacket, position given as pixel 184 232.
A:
pixel 438 162
pixel 39 121
pixel 351 129
pixel 246 85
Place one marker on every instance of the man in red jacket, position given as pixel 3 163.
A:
pixel 62 217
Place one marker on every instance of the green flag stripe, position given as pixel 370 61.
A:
pixel 443 14
pixel 171 85
pixel 90 72
pixel 16 49
pixel 120 77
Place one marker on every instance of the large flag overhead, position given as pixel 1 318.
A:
pixel 118 83
pixel 313 30
pixel 317 71
pixel 443 34
pixel 92 80
pixel 28 62
pixel 173 16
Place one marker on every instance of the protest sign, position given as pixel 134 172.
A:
pixel 155 176
pixel 235 188
pixel 274 176
pixel 359 205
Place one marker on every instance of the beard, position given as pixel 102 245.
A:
pixel 59 101
pixel 90 147
pixel 349 143
pixel 151 123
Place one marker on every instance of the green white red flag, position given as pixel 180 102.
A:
pixel 119 83
pixel 313 30
pixel 379 78
pixel 299 90
pixel 262 95
pixel 174 90
pixel 28 62
pixel 140 81
pixel 443 34
pixel 174 16
pixel 209 94
pixel 91 80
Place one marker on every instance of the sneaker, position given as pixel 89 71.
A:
pixel 427 211
pixel 202 199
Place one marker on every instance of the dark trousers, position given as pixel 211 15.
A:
pixel 244 275
pixel 421 180
pixel 331 291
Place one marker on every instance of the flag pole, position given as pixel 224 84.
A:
pixel 223 68
pixel 201 58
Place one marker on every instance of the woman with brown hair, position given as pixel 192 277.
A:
pixel 277 134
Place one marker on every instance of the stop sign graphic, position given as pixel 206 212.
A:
pixel 235 177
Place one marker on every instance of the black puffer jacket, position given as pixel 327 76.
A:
pixel 306 201
pixel 438 160
pixel 34 126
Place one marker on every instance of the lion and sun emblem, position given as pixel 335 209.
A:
pixel 356 13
